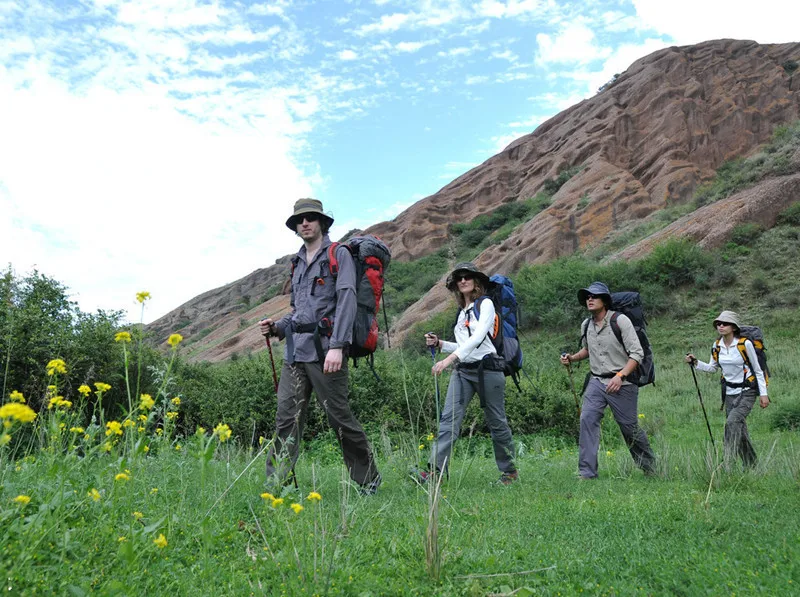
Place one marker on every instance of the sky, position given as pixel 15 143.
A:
pixel 159 145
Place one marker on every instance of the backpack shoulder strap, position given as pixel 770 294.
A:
pixel 616 329
pixel 715 351
pixel 333 263
pixel 740 344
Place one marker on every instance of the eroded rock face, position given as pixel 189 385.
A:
pixel 645 142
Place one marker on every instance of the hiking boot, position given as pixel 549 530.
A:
pixel 371 488
pixel 420 475
pixel 509 478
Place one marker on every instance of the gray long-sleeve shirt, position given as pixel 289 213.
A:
pixel 606 354
pixel 315 295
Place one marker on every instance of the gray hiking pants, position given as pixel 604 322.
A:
pixel 737 439
pixel 463 386
pixel 624 407
pixel 294 390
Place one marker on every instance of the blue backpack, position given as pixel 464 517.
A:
pixel 506 319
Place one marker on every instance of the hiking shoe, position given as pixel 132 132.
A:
pixel 371 488
pixel 509 478
pixel 420 475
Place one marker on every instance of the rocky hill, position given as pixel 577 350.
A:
pixel 645 142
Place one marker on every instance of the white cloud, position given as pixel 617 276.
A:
pixel 689 21
pixel 506 55
pixel 512 8
pixel 475 79
pixel 346 55
pixel 169 14
pixel 500 142
pixel 575 43
pixel 410 47
pixel 386 24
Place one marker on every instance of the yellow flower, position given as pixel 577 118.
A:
pixel 160 541
pixel 76 429
pixel 122 337
pixel 113 428
pixel 107 446
pixel 297 508
pixel 101 387
pixel 146 402
pixel 268 496
pixel 200 430
pixel 56 366
pixel 22 500
pixel 138 515
pixel 16 397
pixel 277 502
pixel 176 401
pixel 146 449
pixel 128 423
pixel 609 453
pixel 4 439
pixel 142 296
pixel 160 431
pixel 20 412
pixel 223 432
pixel 140 429
pixel 122 539
pixel 641 415
pixel 142 418
pixel 422 446
pixel 122 477
pixel 94 494
pixel 314 497
pixel 430 437
pixel 84 390
pixel 171 414
pixel 174 340
pixel 154 491
pixel 58 402
pixel 177 447
pixel 261 440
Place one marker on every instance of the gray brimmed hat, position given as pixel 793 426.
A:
pixel 466 267
pixel 597 289
pixel 307 206
pixel 728 317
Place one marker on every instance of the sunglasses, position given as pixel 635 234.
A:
pixel 721 323
pixel 460 277
pixel 312 217
pixel 592 296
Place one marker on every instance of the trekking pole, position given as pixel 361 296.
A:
pixel 572 386
pixel 435 378
pixel 703 406
pixel 272 361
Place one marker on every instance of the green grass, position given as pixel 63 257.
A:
pixel 694 529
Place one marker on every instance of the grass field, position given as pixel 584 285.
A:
pixel 166 515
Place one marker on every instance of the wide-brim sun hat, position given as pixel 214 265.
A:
pixel 728 317
pixel 597 289
pixel 466 267
pixel 306 206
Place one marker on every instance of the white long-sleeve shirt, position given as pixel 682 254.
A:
pixel 734 369
pixel 471 348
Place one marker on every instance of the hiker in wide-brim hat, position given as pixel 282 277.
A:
pixel 742 381
pixel 478 370
pixel 611 360
pixel 310 208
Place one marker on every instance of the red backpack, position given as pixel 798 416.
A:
pixel 371 257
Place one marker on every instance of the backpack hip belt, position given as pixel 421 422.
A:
pixel 324 327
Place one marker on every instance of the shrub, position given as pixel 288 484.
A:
pixel 790 216
pixel 673 263
pixel 786 417
pixel 746 234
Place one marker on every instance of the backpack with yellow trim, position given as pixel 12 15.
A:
pixel 756 336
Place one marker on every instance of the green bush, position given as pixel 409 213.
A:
pixel 673 263
pixel 746 234
pixel 790 216
pixel 786 417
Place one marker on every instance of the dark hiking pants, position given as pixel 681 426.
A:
pixel 294 391
pixel 737 439
pixel 624 407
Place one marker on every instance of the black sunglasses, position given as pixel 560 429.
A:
pixel 593 296
pixel 311 217
pixel 459 277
